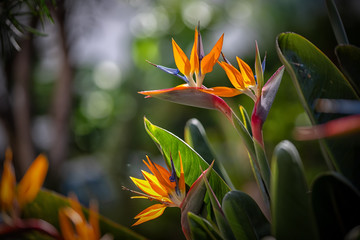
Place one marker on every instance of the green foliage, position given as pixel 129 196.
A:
pixel 349 59
pixel 314 77
pixel 245 217
pixel 292 216
pixel 195 136
pixel 12 14
pixel 201 228
pixel 221 220
pixel 336 205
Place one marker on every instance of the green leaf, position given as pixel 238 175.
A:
pixel 195 136
pixel 169 144
pixel 245 135
pixel 314 77
pixel 201 229
pixel 245 217
pixel 221 220
pixel 194 199
pixel 46 207
pixel 292 217
pixel 245 119
pixel 250 146
pixel 349 59
pixel 336 22
pixel 336 204
pixel 264 171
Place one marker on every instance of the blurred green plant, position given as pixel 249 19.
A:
pixel 14 20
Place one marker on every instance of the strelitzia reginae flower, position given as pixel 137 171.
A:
pixel 193 72
pixel 169 190
pixel 160 185
pixel 244 81
pixel 14 197
pixel 74 225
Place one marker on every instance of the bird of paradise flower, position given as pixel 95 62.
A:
pixel 191 93
pixel 169 190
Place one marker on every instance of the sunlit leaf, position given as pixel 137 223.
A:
pixel 169 144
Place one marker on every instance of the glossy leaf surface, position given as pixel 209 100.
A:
pixel 245 217
pixel 292 217
pixel 169 144
pixel 314 77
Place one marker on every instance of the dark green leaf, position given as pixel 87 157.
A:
pixel 336 204
pixel 194 199
pixel 195 136
pixel 222 222
pixel 201 229
pixel 46 207
pixel 336 22
pixel 349 59
pixel 292 217
pixel 245 217
pixel 314 77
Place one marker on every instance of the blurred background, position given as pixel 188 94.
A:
pixel 69 83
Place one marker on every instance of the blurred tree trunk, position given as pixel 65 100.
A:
pixel 15 110
pixel 62 101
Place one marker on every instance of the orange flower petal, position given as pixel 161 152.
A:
pixel 181 60
pixel 161 174
pixel 67 230
pixel 155 184
pixel 234 75
pixel 76 206
pixel 208 62
pixel 246 73
pixel 182 186
pixel 153 93
pixel 32 181
pixel 194 57
pixel 94 219
pixel 145 187
pixel 150 213
pixel 222 91
pixel 8 183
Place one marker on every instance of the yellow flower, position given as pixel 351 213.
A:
pixel 159 185
pixel 73 223
pixel 12 196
